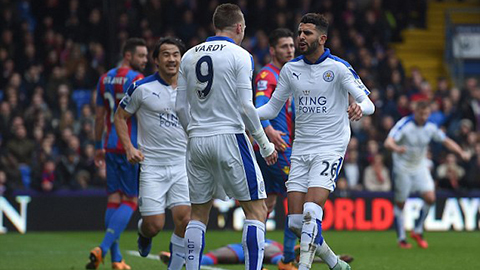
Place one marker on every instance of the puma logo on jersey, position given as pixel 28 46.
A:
pixel 156 94
pixel 297 75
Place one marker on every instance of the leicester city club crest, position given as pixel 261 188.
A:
pixel 328 76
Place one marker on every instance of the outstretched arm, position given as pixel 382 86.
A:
pixel 252 123
pixel 454 147
pixel 279 97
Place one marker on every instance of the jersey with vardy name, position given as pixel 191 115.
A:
pixel 320 92
pixel 265 84
pixel 161 138
pixel 416 140
pixel 110 90
pixel 211 73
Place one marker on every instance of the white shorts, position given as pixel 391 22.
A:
pixel 408 182
pixel 308 171
pixel 223 165
pixel 162 187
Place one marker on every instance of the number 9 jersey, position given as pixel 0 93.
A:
pixel 215 70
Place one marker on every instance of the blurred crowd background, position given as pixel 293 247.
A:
pixel 52 53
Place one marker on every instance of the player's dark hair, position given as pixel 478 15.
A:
pixel 422 105
pixel 320 21
pixel 131 45
pixel 227 15
pixel 168 40
pixel 278 34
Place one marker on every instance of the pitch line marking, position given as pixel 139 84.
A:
pixel 156 257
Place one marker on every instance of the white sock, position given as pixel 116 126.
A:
pixel 139 225
pixel 253 240
pixel 311 234
pixel 295 222
pixel 421 219
pixel 327 255
pixel 177 251
pixel 399 223
pixel 194 243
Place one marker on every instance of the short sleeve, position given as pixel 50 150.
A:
pixel 397 131
pixel 438 134
pixel 100 90
pixel 131 101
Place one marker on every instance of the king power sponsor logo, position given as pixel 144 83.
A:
pixel 19 220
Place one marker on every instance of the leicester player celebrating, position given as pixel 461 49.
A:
pixel 279 131
pixel 320 84
pixel 162 144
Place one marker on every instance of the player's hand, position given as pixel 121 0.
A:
pixel 272 159
pixel 275 137
pixel 465 156
pixel 401 149
pixel 269 153
pixel 134 155
pixel 100 158
pixel 354 112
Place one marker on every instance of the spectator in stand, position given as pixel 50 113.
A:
pixel 450 173
pixel 471 109
pixel 67 170
pixel 352 171
pixel 3 183
pixel 472 179
pixel 48 176
pixel 376 176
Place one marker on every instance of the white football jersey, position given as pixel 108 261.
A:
pixel 416 140
pixel 161 138
pixel 320 92
pixel 211 73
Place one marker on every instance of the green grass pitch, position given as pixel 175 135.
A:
pixel 371 250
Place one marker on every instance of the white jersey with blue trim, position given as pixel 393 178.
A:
pixel 161 138
pixel 320 91
pixel 211 73
pixel 416 139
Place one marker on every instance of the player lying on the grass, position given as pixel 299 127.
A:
pixel 233 254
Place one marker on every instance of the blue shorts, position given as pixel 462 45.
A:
pixel 276 175
pixel 121 175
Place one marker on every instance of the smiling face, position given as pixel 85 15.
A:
pixel 309 38
pixel 168 60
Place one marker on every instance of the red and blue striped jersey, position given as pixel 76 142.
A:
pixel 265 84
pixel 111 88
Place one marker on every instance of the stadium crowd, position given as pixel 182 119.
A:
pixel 52 54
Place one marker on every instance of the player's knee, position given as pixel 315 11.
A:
pixel 430 200
pixel 312 211
pixel 270 206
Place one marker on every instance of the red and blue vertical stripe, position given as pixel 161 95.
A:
pixel 109 94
